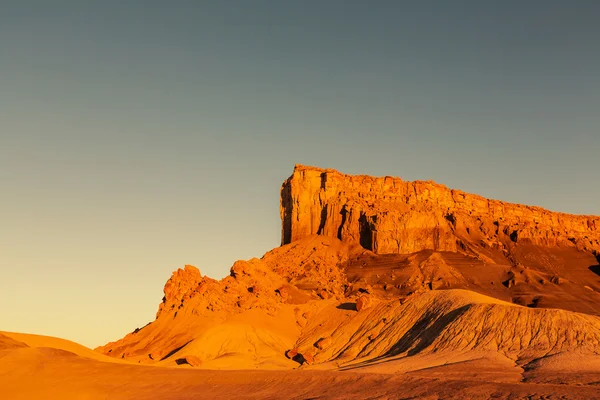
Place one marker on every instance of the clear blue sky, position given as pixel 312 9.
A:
pixel 138 136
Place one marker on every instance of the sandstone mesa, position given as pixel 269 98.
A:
pixel 368 268
pixel 389 215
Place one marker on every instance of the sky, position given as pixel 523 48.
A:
pixel 140 136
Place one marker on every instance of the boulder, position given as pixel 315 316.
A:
pixel 323 343
pixel 363 302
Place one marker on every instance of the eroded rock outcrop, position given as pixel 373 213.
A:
pixel 389 215
pixel 364 271
pixel 180 287
pixel 283 279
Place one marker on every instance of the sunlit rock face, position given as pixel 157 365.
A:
pixel 389 215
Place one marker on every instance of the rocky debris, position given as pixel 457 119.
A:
pixel 313 263
pixel 389 215
pixel 292 295
pixel 283 293
pixel 557 280
pixel 241 268
pixel 509 283
pixel 323 343
pixel 308 359
pixel 307 314
pixel 363 302
pixel 292 353
pixel 301 358
pixel 190 360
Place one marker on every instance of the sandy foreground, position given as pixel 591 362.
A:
pixel 32 371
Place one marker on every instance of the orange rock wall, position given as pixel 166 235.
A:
pixel 389 215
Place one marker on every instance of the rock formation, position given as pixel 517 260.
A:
pixel 378 268
pixel 389 215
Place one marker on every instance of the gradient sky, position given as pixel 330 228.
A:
pixel 139 136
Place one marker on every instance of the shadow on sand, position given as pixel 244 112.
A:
pixel 596 268
pixel 347 306
pixel 174 351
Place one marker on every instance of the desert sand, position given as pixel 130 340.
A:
pixel 52 373
pixel 381 289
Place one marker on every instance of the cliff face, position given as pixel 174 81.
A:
pixel 389 215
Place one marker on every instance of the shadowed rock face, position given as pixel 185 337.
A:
pixel 389 215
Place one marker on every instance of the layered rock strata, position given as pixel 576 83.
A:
pixel 389 215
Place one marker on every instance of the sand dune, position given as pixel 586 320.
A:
pixel 7 342
pixel 41 341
